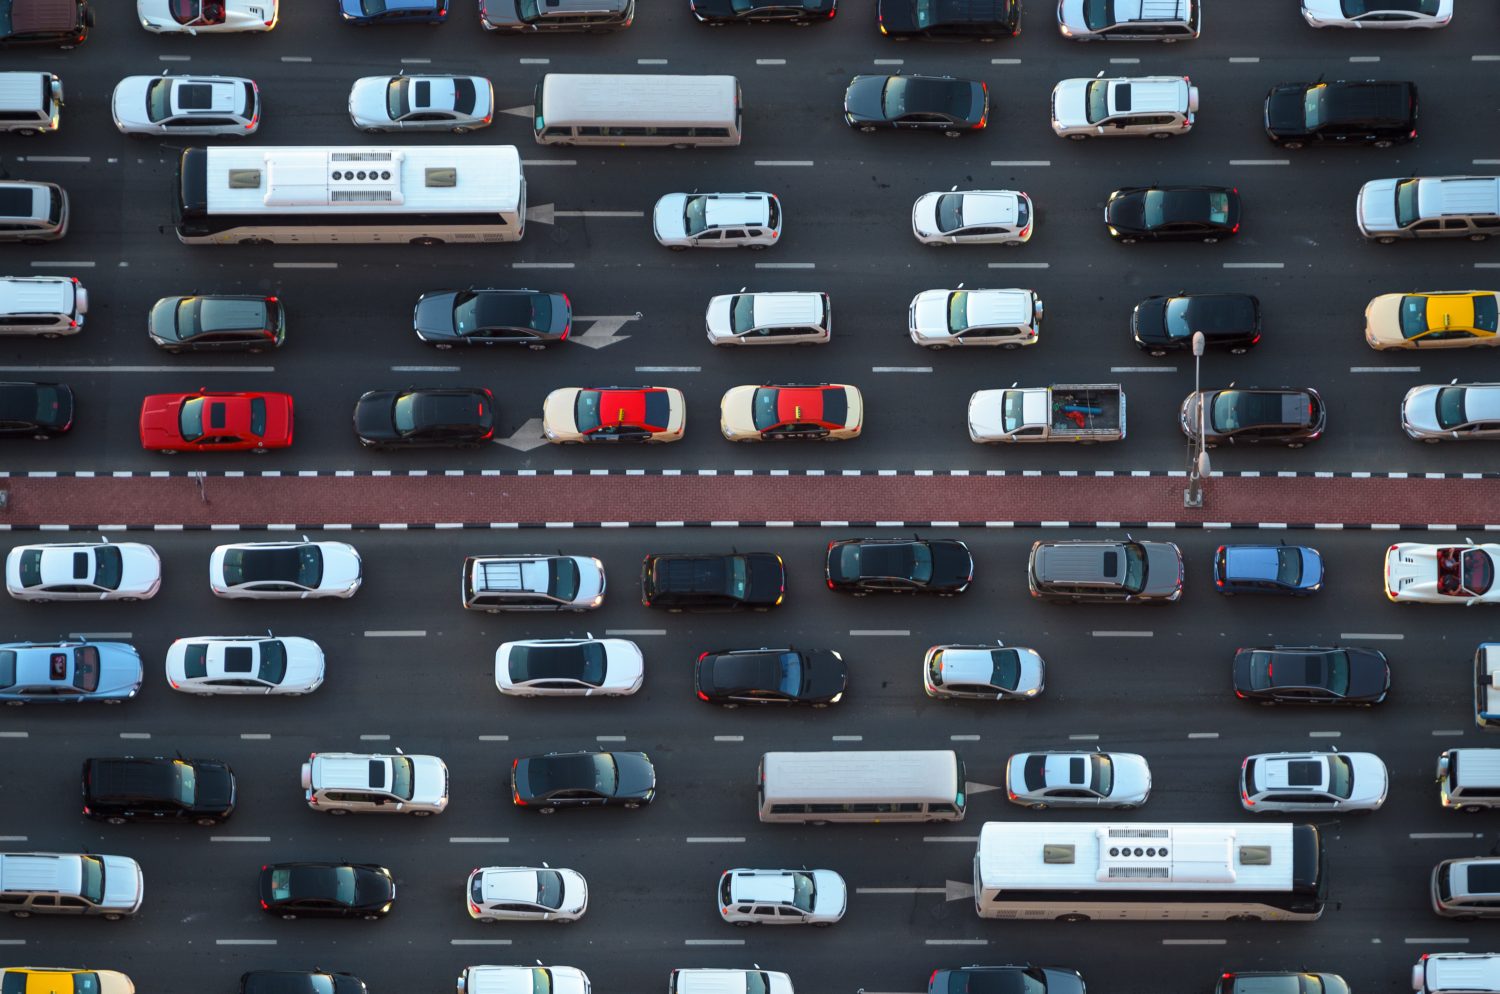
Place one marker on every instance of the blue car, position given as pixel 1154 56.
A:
pixel 66 672
pixel 1294 570
pixel 394 11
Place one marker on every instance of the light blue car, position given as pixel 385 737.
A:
pixel 67 672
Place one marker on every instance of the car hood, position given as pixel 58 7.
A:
pixel 1163 569
pixel 160 415
pixel 863 100
pixel 1125 212
pixel 829 674
pixel 1070 15
pixel 123 884
pixel 986 410
pixel 429 780
pixel 140 566
pixel 367 100
pixel 832 894
pixel 737 410
pixel 1419 408
pixel 1062 981
pixel 341 566
pixel 637 778
pixel 717 317
pixel 929 314
pixel 1383 319
pixel 373 889
pixel 1371 779
pixel 952 564
pixel 215 790
pixel 767 578
pixel 1377 205
pixel 373 417
pixel 591 580
pixel 304 662
pixel 119 670
pixel 1368 673
pixel 666 217
pixel 1070 102
pixel 433 317
pixel 1327 10
pixel 557 413
pixel 1148 322
pixel 1132 780
pixel 1284 110
pixel 129 101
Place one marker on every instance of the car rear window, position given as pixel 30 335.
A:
pixel 8 668
pixel 195 661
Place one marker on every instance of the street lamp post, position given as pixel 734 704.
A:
pixel 1198 467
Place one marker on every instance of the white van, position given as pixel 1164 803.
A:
pixel 816 788
pixel 680 111
pixel 705 981
pixel 44 883
pixel 1469 779
pixel 782 318
pixel 1457 973
pixel 49 306
pixel 30 102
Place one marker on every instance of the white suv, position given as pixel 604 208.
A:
pixel 782 897
pixel 1159 106
pixel 525 893
pixel 340 782
pixel 941 319
pixel 83 571
pixel 523 980
pixel 1273 782
pixel 223 106
pixel 717 220
pixel 972 217
pixel 48 306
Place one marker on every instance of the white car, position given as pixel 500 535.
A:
pixel 192 17
pixel 284 570
pixel 717 220
pixel 1038 780
pixel 1457 412
pixel 488 979
pixel 942 319
pixel 459 104
pixel 972 217
pixel 83 571
pixel 782 897
pixel 1417 573
pixel 1159 106
pixel 778 318
pixel 337 783
pixel 245 664
pixel 527 894
pixel 228 106
pixel 569 667
pixel 983 672
pixel 1377 13
pixel 1312 781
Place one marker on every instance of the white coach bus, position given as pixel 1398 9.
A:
pixel 1077 871
pixel 417 194
pixel 680 111
pixel 820 787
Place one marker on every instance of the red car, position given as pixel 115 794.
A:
pixel 214 421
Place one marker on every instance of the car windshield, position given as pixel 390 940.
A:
pixel 1096 14
pixel 695 215
pixel 109 567
pixel 958 311
pixel 563 577
pixel 190 420
pixel 1479 571
pixel 405 413
pixel 1012 410
pixel 1413 316
pixel 187 782
pixel 1450 407
pixel 541 980
pixel 950 211
pixel 1101 774
pixel 1406 203
pixel 1312 107
pixel 159 100
pixel 1153 208
pixel 272 661
pixel 586 411
pixel 1005 668
pixel 1354 8
pixel 804 891
pixel 402 775
pixel 1340 776
pixel 742 312
pixel 1098 100
pixel 86 668
pixel 92 887
pixel 398 98
pixel 764 411
pixel 1338 672
pixel 1288 565
pixel 549 888
pixel 1002 980
pixel 1135 568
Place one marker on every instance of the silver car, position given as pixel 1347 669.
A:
pixel 569 667
pixel 1272 782
pixel 1376 14
pixel 1459 412
pixel 1159 106
pixel 285 570
pixel 1465 889
pixel 83 571
pixel 782 897
pixel 227 106
pixel 459 104
pixel 972 217
pixel 67 672
pixel 983 672
pixel 527 894
pixel 1037 780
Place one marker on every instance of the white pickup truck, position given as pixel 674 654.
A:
pixel 1063 412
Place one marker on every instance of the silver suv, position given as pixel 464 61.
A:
pixel 532 582
pixel 1128 572
pixel 782 897
pixel 32 213
pixel 1159 106
pixel 1466 889
pixel 340 782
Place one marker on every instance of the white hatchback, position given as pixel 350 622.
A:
pixel 527 894
pixel 569 667
pixel 782 897
pixel 227 106
pixel 284 570
pixel 1038 780
pixel 983 672
pixel 245 664
pixel 717 220
pixel 1272 782
pixel 942 319
pixel 973 217
pixel 83 571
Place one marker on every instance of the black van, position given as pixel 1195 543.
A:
pixel 124 789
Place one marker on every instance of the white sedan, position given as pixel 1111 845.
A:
pixel 527 894
pixel 1272 782
pixel 972 217
pixel 245 664
pixel 186 105
pixel 83 571
pixel 191 17
pixel 285 570
pixel 1384 14
pixel 458 104
pixel 1038 780
pixel 1417 573
pixel 983 672
pixel 569 667
pixel 942 319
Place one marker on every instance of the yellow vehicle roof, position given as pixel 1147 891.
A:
pixel 1450 311
pixel 49 981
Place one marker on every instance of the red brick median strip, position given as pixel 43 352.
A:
pixel 647 500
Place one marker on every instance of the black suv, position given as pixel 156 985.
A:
pixel 1344 112
pixel 705 583
pixel 984 20
pixel 64 23
pixel 124 789
pixel 899 566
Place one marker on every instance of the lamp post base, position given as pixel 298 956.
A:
pixel 1192 497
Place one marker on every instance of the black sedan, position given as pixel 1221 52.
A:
pixel 327 890
pixel 1228 321
pixel 731 677
pixel 900 566
pixel 582 779
pixel 1281 674
pixel 300 982
pixel 1172 213
pixel 451 417
pixel 534 318
pixel 799 12
pixel 1006 980
pixel 217 323
pixel 925 103
pixel 1283 416
pixel 35 410
pixel 960 20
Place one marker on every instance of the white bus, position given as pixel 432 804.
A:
pixel 820 787
pixel 680 111
pixel 417 194
pixel 1077 871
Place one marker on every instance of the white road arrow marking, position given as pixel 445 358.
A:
pixel 526 438
pixel 548 213
pixel 979 788
pixel 525 110
pixel 601 331
pixel 957 890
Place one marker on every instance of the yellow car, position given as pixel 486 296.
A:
pixel 61 980
pixel 1456 319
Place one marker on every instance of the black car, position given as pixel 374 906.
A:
pixel 1281 983
pixel 900 566
pixel 35 410
pixel 300 982
pixel 450 416
pixel 1006 980
pixel 717 12
pixel 217 323
pixel 124 789
pixel 1228 321
pixel 582 779
pixel 1312 675
pixel 984 20
pixel 63 23
pixel 1291 417
pixel 327 890
pixel 533 318
pixel 731 677
pixel 706 583
pixel 1344 112
pixel 1172 213
pixel 926 103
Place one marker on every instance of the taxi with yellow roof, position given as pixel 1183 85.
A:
pixel 1449 319
pixel 63 980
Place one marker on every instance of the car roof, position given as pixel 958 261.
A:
pixel 729 209
pixel 509 884
pixel 985 207
pixel 1293 772
pixel 764 886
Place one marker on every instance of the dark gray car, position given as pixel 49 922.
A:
pixel 534 318
pixel 217 323
pixel 1106 572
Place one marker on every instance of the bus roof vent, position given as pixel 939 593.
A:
pixel 1057 853
pixel 1255 855
pixel 312 178
pixel 1181 854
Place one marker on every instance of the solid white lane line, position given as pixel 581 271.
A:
pixel 391 633
pixel 177 370
pixel 715 838
pixel 1388 636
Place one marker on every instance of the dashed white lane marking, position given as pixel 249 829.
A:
pixel 963 738
pixel 770 62
pixel 239 838
pixel 59 158
pixel 1487 162
pixel 415 60
pixel 1203 735
pixel 956 942
pixel 1005 62
pixel 136 369
pixel 255 736
pixel 39 264
pixel 650 62
pixel 304 265
pixel 175 58
pixel 950 838
pixel 729 738
pixel 494 738
pixel 786 265
pixel 541 265
pixel 713 942
pixel 1484 58
pixel 1020 265
pixel 669 369
pixel 425 369
pixel 900 369
pixel 13 838
pixel 609 738
pixel 784 162
pixel 535 62
pixel 1324 735
pixel 1254 265
pixel 394 633
pixel 244 942
pixel 1487 265
pixel 1433 942
pixel 1387 636
pixel 296 58
pixel 848 738
pixel 1124 61
pixel 1123 633
pixel 12 942
pixel 528 163
pixel 135 735
pixel 1193 942
pixel 1020 162
pixel 635 631
pixel 1385 369
pixel 714 839
pixel 478 942
pixel 1364 58
pixel 1083 737
pixel 99 636
pixel 889 62
pixel 15 735
pixel 1260 162
pixel 880 631
pixel 374 738
pixel 1244 58
pixel 1447 732
pixel 487 840
pixel 1443 835
pixel 1143 369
